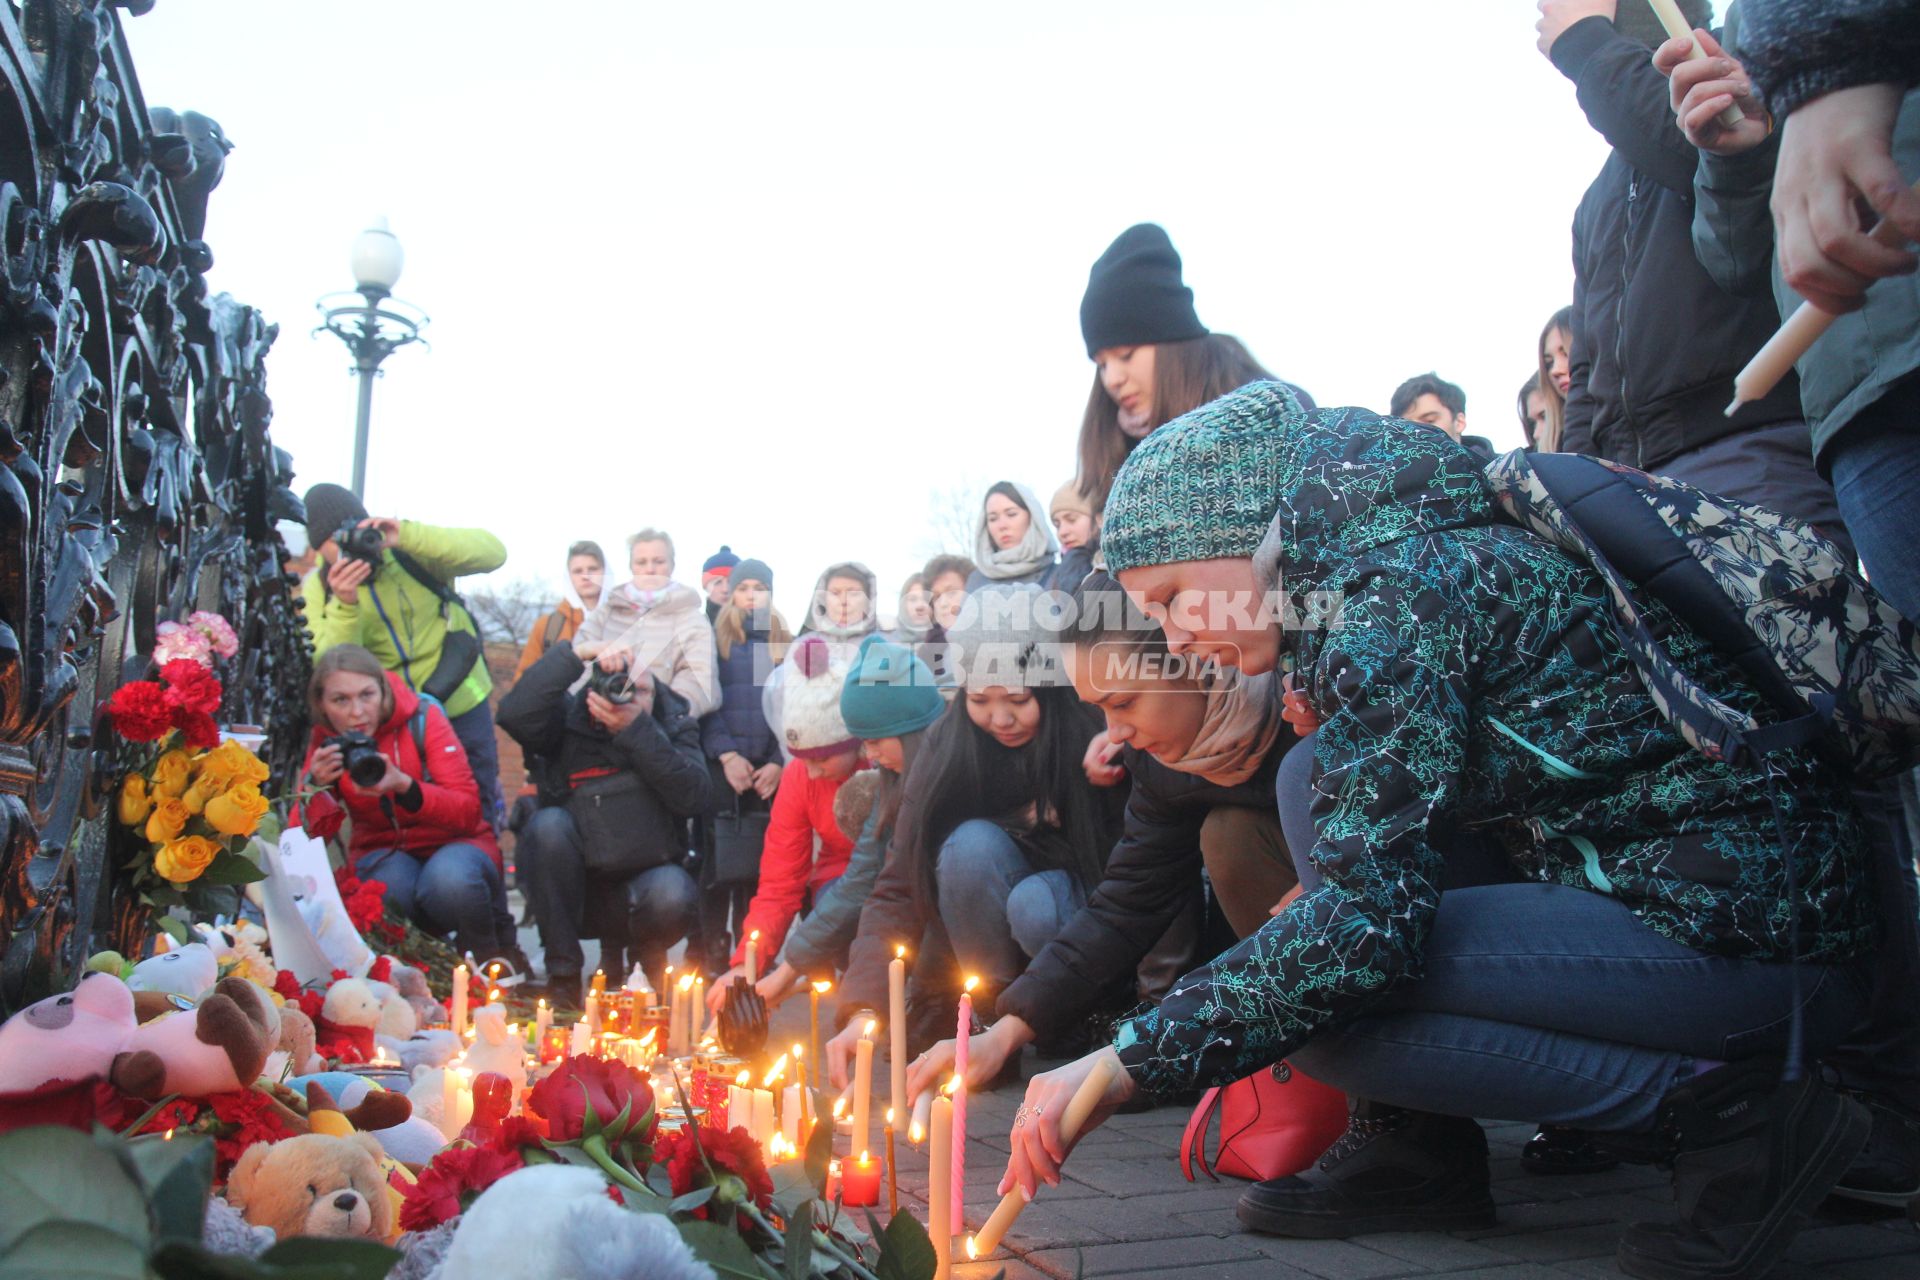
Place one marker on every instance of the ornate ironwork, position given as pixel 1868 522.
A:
pixel 138 479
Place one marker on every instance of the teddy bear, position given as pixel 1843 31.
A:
pixel 422 1049
pixel 218 1046
pixel 347 1021
pixel 315 1184
pixel 188 971
pixel 412 984
pixel 299 1038
pixel 582 1232
pixel 397 1018
pixel 494 1049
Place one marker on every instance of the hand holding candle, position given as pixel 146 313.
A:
pixel 1092 1090
pixel 1676 27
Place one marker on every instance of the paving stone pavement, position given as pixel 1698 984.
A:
pixel 1123 1208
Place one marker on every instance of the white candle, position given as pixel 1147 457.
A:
pixel 897 1028
pixel 593 1014
pixel 1676 24
pixel 793 1103
pixel 939 1189
pixel 922 1111
pixel 763 1127
pixel 696 1011
pixel 460 1000
pixel 582 1040
pixel 456 1102
pixel 542 1023
pixel 863 1091
pixel 753 957
pixel 740 1103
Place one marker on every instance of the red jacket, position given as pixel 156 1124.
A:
pixel 802 808
pixel 449 809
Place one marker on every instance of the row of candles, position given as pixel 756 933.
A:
pixel 779 1122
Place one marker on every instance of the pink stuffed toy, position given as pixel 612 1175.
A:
pixel 219 1046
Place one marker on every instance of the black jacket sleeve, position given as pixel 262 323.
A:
pixel 1153 871
pixel 534 711
pixel 668 757
pixel 1626 101
pixel 1576 416
pixel 1797 50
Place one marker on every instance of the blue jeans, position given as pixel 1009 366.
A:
pixel 1552 1004
pixel 475 730
pixel 997 908
pixel 657 906
pixel 450 892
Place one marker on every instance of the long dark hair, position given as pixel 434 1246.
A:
pixel 1186 375
pixel 962 773
pixel 893 786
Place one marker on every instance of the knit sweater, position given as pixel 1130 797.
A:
pixel 1797 50
pixel 802 810
pixel 1474 682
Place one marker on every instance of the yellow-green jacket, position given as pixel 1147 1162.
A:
pixel 398 617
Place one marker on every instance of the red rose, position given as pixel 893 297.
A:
pixel 322 816
pixel 196 728
pixel 454 1179
pixel 608 1087
pixel 140 712
pixel 191 687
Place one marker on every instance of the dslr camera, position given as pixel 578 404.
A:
pixel 360 756
pixel 615 686
pixel 360 542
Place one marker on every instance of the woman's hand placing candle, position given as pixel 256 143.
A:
pixel 987 1053
pixel 1038 1150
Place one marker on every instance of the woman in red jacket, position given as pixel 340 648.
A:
pixel 418 829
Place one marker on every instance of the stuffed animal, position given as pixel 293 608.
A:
pixel 188 971
pixel 397 1018
pixel 412 984
pixel 422 1049
pixel 495 1050
pixel 428 1096
pixel 91 1031
pixel 347 1021
pixel 580 1232
pixel 342 943
pixel 299 1038
pixel 315 1184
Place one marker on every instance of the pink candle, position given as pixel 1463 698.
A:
pixel 961 1039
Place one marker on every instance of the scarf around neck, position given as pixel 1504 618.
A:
pixel 1035 551
pixel 1241 722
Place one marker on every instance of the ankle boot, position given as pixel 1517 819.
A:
pixel 1393 1170
pixel 1752 1157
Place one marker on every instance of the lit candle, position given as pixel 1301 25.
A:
pixel 763 1127
pixel 939 1186
pixel 860 1182
pixel 600 982
pixel 582 1041
pixel 697 1011
pixel 542 1023
pixel 753 957
pixel 897 1027
pixel 893 1173
pixel 917 1127
pixel 863 1090
pixel 740 1102
pixel 961 1039
pixel 1676 24
pixel 593 1013
pixel 820 988
pixel 460 1000
pixel 1079 1107
pixel 676 1018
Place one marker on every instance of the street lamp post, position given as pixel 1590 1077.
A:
pixel 373 323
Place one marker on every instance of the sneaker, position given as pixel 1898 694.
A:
pixel 1393 1170
pixel 1887 1170
pixel 1753 1157
pixel 1559 1150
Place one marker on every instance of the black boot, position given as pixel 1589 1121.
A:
pixel 1557 1149
pixel 1753 1156
pixel 1393 1170
pixel 1887 1171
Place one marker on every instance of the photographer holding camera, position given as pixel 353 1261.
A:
pixel 390 760
pixel 608 862
pixel 385 584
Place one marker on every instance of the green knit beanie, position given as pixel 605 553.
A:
pixel 1203 487
pixel 888 691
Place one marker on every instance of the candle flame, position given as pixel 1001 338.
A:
pixel 951 1086
pixel 973 1249
pixel 972 982
pixel 754 936
pixel 493 995
pixel 823 986
pixel 647 1039
pixel 169 1137
pixel 779 1069
pixel 866 1159
pixel 839 1105
pixel 796 1051
pixel 872 1026
pixel 889 1115
pixel 686 983
pixel 493 971
pixel 915 1134
pixel 743 1077
pixel 543 1002
pixel 900 951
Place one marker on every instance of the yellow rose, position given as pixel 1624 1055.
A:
pixel 135 803
pixel 172 774
pixel 230 762
pixel 237 812
pixel 185 859
pixel 202 790
pixel 169 819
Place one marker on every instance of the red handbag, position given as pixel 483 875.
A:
pixel 1273 1123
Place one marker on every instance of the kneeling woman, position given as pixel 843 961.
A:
pixel 418 828
pixel 1000 838
pixel 1644 984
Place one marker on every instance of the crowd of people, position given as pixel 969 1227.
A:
pixel 1441 849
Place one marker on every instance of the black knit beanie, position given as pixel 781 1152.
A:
pixel 328 507
pixel 1134 295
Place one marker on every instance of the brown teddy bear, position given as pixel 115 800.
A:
pixel 315 1185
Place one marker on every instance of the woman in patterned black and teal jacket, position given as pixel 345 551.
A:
pixel 1638 974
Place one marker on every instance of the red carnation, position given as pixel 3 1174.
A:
pixel 285 985
pixel 733 1152
pixel 311 1003
pixel 140 712
pixel 516 1132
pixel 381 970
pixel 609 1087
pixel 246 1116
pixel 191 687
pixel 454 1179
pixel 197 728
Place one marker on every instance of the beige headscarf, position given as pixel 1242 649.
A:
pixel 1241 722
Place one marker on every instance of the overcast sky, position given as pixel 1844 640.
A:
pixel 768 274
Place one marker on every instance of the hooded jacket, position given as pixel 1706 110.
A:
pixel 447 810
pixel 668 633
pixel 1473 682
pixel 1656 343
pixel 739 723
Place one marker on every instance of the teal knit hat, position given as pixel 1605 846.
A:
pixel 1203 487
pixel 888 691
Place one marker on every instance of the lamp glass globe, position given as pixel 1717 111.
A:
pixel 377 259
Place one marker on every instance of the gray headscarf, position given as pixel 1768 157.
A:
pixel 818 623
pixel 1035 551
